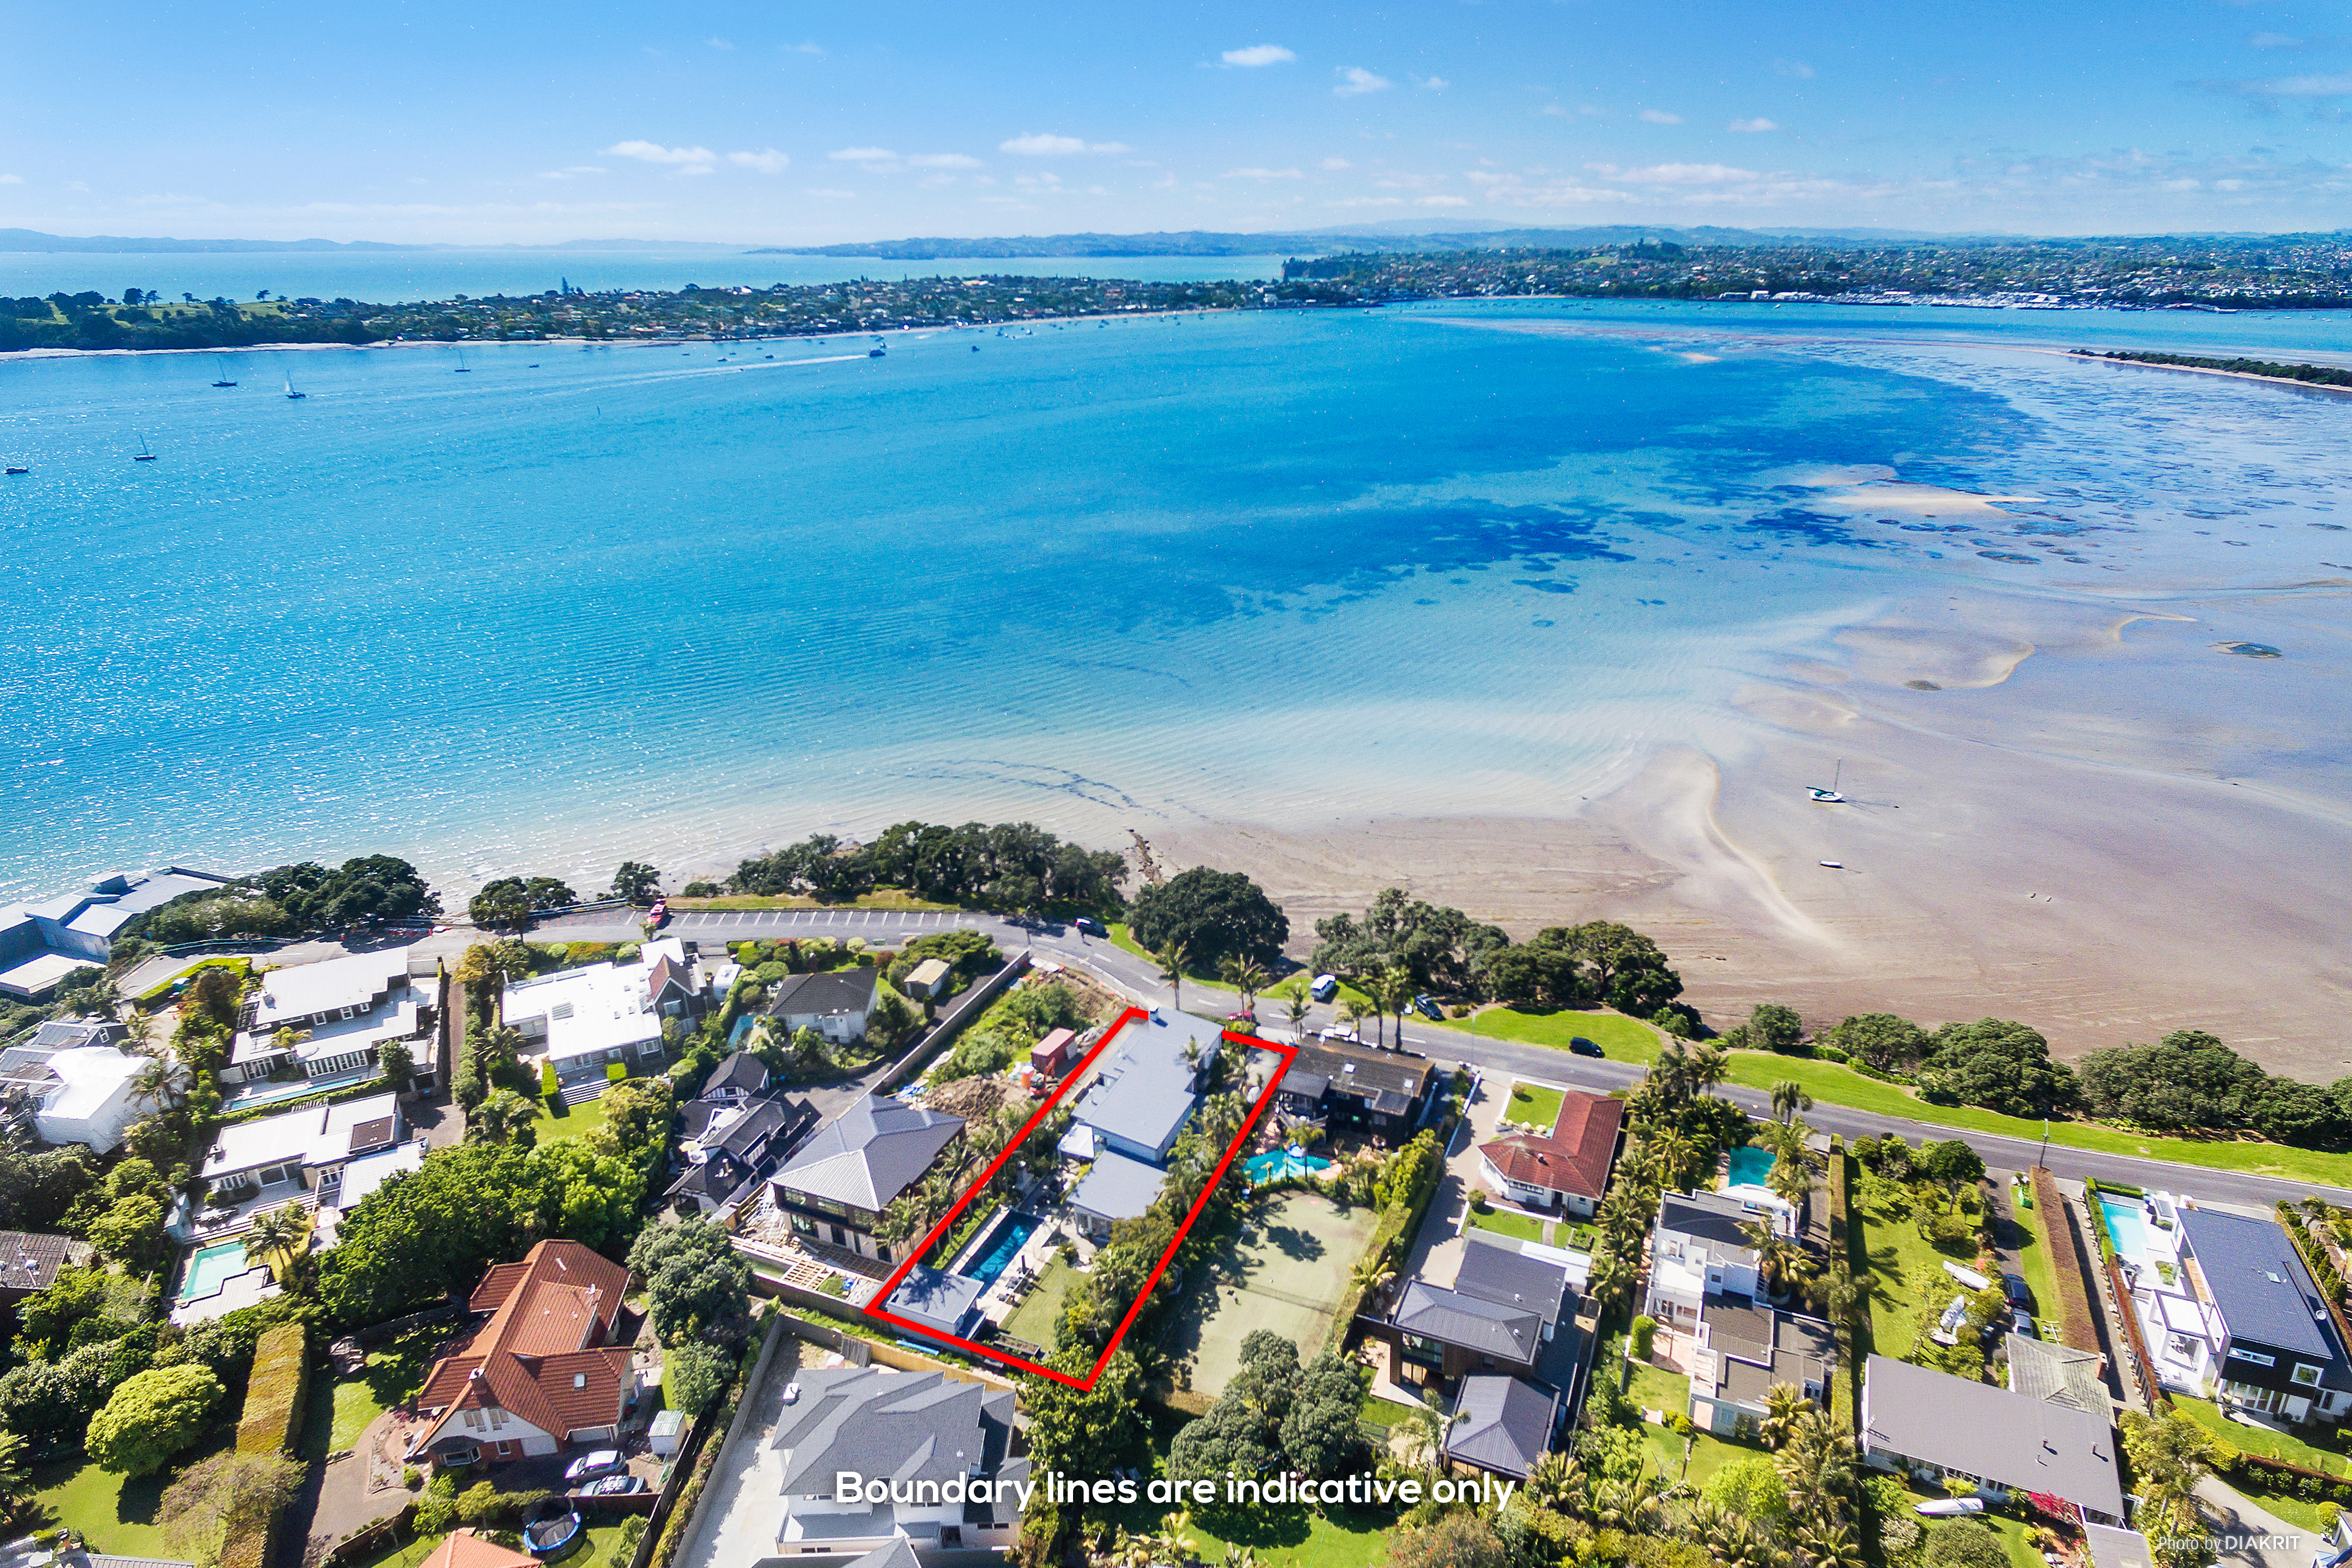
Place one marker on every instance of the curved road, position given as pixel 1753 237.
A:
pixel 1140 979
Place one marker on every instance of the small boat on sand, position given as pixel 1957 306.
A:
pixel 1829 795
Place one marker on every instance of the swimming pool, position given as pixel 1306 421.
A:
pixel 2127 1226
pixel 999 1258
pixel 212 1267
pixel 1749 1166
pixel 1275 1164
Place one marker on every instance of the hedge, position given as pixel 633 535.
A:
pixel 272 1422
pixel 2077 1325
pixel 1398 1223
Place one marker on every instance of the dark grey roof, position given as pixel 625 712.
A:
pixel 1304 1083
pixel 743 1072
pixel 1117 1187
pixel 1144 1092
pixel 29 1260
pixel 1397 1079
pixel 1794 1350
pixel 1489 1328
pixel 899 1553
pixel 695 1117
pixel 937 1299
pixel 838 993
pixel 1501 1424
pixel 1496 1270
pixel 2057 1374
pixel 909 1426
pixel 870 1152
pixel 2261 1287
pixel 2003 1436
pixel 749 1134
pixel 1711 1217
pixel 63 1035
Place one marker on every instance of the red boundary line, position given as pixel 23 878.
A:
pixel 1289 1054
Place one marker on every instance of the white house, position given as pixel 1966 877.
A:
pixel 42 942
pixel 1142 1088
pixel 838 1004
pixel 350 1007
pixel 83 1094
pixel 300 1151
pixel 586 1019
pixel 1699 1247
pixel 936 1442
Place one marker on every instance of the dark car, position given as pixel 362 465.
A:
pixel 1089 926
pixel 1429 1009
pixel 2019 1292
pixel 1582 1047
pixel 2022 1323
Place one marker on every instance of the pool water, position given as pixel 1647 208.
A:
pixel 2126 1225
pixel 1749 1166
pixel 1008 1246
pixel 211 1268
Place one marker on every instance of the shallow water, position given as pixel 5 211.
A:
pixel 668 603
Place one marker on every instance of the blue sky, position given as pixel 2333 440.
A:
pixel 427 121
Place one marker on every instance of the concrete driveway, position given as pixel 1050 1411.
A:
pixel 743 1503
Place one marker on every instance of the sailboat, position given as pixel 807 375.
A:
pixel 1829 795
pixel 463 368
pixel 289 386
pixel 224 381
pixel 144 455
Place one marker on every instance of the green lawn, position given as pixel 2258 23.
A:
pixel 1280 1537
pixel 600 1539
pixel 116 1516
pixel 1909 1289
pixel 2262 1441
pixel 1385 1413
pixel 1034 1318
pixel 1532 1105
pixel 555 1125
pixel 1655 1388
pixel 2036 1261
pixel 1504 1222
pixel 340 1409
pixel 1624 1039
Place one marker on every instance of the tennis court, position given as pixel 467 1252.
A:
pixel 1285 1270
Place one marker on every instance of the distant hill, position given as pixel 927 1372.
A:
pixel 1401 235
pixel 33 240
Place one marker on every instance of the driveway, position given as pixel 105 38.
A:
pixel 743 1503
pixel 2252 1537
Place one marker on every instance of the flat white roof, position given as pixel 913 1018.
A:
pixel 313 1135
pixel 366 1174
pixel 93 1075
pixel 43 970
pixel 601 1008
pixel 335 1036
pixel 354 980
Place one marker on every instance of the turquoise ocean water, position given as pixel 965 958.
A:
pixel 1288 567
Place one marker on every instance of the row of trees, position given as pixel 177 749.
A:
pixel 1015 866
pixel 290 902
pixel 1429 947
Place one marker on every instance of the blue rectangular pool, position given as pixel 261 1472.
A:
pixel 1749 1166
pixel 212 1267
pixel 1275 1164
pixel 2127 1226
pixel 1009 1242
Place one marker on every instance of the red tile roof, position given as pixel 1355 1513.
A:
pixel 541 1356
pixel 1574 1158
pixel 463 1549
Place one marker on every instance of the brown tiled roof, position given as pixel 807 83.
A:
pixel 666 973
pixel 541 1355
pixel 463 1549
pixel 374 1134
pixel 1575 1157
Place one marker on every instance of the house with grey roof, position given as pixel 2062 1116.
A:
pixel 1699 1247
pixel 1503 1425
pixel 2270 1344
pixel 943 1302
pixel 1114 1188
pixel 731 1144
pixel 838 1006
pixel 1382 1094
pixel 30 1261
pixel 943 1446
pixel 1743 1348
pixel 834 1188
pixel 42 942
pixel 1938 1427
pixel 740 1077
pixel 2112 1547
pixel 1503 1307
pixel 1143 1091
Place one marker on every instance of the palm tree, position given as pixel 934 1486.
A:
pixel 1395 994
pixel 1417 1439
pixel 1558 1482
pixel 1169 1542
pixel 1816 1460
pixel 1834 1294
pixel 1780 1260
pixel 1248 976
pixel 16 1479
pixel 1789 1181
pixel 1611 1279
pixel 1708 1067
pixel 162 1085
pixel 1239 1557
pixel 1171 971
pixel 1351 1014
pixel 1294 1011
pixel 499 1118
pixel 1789 1097
pixel 1631 1504
pixel 1370 1276
pixel 1784 1403
pixel 139 1029
pixel 1822 1544
pixel 281 1235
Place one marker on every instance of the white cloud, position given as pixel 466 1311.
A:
pixel 718 43
pixel 2273 41
pixel 1797 68
pixel 811 48
pixel 1044 145
pixel 1263 174
pixel 1510 190
pixel 572 173
pixel 863 155
pixel 1751 126
pixel 1676 174
pixel 1258 55
pixel 1336 165
pixel 944 161
pixel 1431 83
pixel 2335 86
pixel 1441 200
pixel 684 158
pixel 1355 80
pixel 12 179
pixel 766 160
pixel 1660 116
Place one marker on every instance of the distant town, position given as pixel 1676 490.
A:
pixel 2307 272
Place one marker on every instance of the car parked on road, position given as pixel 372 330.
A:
pixel 1429 1008
pixel 1582 1047
pixel 1091 926
pixel 604 1461
pixel 2022 1323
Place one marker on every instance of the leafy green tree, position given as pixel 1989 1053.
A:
pixel 431 1233
pixel 130 1232
pixel 697 1285
pixel 503 904
pixel 2002 1067
pixel 152 1417
pixel 1963 1543
pixel 693 1374
pixel 1770 1027
pixel 1082 1432
pixel 504 1116
pixel 1440 949
pixel 399 1064
pixel 1318 1433
pixel 636 882
pixel 1451 1540
pixel 1213 914
pixel 1878 1041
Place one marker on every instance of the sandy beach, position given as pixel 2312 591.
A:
pixel 2016 842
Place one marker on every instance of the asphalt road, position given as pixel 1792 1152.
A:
pixel 1139 978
